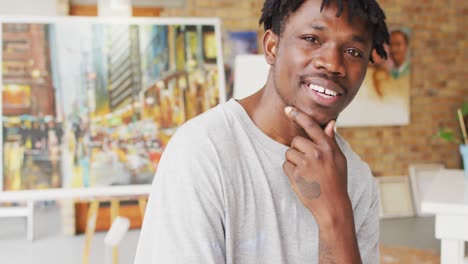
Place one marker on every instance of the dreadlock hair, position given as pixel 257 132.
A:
pixel 276 12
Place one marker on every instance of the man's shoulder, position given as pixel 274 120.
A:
pixel 206 130
pixel 362 187
pixel 356 166
pixel 209 123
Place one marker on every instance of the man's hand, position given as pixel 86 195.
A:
pixel 317 169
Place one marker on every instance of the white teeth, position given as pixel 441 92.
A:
pixel 317 88
pixel 330 92
pixel 322 90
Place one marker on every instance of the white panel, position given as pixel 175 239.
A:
pixel 142 3
pixel 452 252
pixel 447 195
pixel 29 7
pixel 250 74
pixel 451 227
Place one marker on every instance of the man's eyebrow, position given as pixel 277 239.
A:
pixel 354 37
pixel 317 27
pixel 358 38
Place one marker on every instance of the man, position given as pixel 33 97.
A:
pixel 266 179
pixel 398 53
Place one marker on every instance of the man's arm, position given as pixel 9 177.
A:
pixel 337 242
pixel 317 170
pixel 368 233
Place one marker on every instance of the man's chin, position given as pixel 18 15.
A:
pixel 320 117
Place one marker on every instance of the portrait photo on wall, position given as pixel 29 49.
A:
pixel 384 97
pixel 93 103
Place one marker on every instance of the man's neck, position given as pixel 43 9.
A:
pixel 266 109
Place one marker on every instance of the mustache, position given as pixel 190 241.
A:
pixel 322 75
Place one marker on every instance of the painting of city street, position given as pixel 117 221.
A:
pixel 88 103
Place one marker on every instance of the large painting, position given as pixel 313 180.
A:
pixel 92 102
pixel 384 97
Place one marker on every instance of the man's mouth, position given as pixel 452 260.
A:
pixel 323 92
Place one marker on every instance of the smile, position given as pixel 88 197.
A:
pixel 324 92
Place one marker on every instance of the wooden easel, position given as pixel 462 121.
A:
pixel 94 194
pixel 91 224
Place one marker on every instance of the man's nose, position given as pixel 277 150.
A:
pixel 330 59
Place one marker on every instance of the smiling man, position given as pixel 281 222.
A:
pixel 266 179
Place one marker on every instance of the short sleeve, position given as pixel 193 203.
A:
pixel 368 234
pixel 184 218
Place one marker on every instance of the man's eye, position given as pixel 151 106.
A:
pixel 354 53
pixel 312 40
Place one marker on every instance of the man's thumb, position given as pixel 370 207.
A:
pixel 330 129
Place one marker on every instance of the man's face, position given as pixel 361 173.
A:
pixel 398 48
pixel 320 60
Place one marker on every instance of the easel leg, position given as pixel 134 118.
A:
pixel 142 204
pixel 90 228
pixel 114 212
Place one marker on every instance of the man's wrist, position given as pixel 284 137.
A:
pixel 340 215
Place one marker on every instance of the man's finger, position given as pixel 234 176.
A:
pixel 288 168
pixel 294 156
pixel 313 130
pixel 330 129
pixel 302 144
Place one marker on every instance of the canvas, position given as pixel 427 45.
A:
pixel 93 102
pixel 384 97
pixel 395 196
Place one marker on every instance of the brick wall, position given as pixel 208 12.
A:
pixel 439 81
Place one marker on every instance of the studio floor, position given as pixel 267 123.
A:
pixel 398 236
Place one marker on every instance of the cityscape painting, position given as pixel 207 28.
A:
pixel 89 102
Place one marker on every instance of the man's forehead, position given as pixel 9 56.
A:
pixel 311 15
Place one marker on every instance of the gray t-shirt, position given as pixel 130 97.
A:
pixel 220 196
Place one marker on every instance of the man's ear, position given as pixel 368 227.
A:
pixel 270 43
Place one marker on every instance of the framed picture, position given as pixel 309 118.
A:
pixel 421 176
pixel 92 102
pixel 384 96
pixel 395 196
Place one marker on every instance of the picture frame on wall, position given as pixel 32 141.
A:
pixel 421 176
pixel 395 197
pixel 384 96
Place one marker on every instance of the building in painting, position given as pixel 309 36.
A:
pixel 124 66
pixel 28 88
